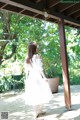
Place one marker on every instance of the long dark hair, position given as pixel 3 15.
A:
pixel 31 51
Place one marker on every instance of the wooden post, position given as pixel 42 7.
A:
pixel 65 72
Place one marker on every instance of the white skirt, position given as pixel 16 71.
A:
pixel 37 90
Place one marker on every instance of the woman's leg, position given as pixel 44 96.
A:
pixel 38 109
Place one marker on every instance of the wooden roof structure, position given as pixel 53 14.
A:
pixel 69 10
pixel 62 12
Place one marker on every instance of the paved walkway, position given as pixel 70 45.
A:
pixel 55 110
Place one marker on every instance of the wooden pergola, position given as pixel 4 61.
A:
pixel 62 12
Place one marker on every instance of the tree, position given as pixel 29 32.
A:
pixel 6 35
pixel 22 30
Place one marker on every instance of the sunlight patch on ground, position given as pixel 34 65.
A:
pixel 17 113
pixel 70 115
pixel 13 98
pixel 50 117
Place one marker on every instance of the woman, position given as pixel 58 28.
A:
pixel 37 91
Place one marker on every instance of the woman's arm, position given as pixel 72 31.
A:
pixel 40 67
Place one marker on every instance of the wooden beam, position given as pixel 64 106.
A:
pixel 35 1
pixel 14 9
pixel 67 19
pixel 26 12
pixel 73 10
pixel 22 11
pixel 66 7
pixel 64 64
pixel 3 6
pixel 38 9
pixel 71 13
pixel 20 5
pixel 35 15
pixel 52 3
pixel 76 15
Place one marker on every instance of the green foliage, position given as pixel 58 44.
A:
pixel 73 48
pixel 8 83
pixel 5 82
pixel 51 72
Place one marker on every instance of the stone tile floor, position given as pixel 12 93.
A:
pixel 55 110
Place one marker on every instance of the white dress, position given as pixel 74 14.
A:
pixel 37 90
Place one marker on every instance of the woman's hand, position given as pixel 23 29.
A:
pixel 46 79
